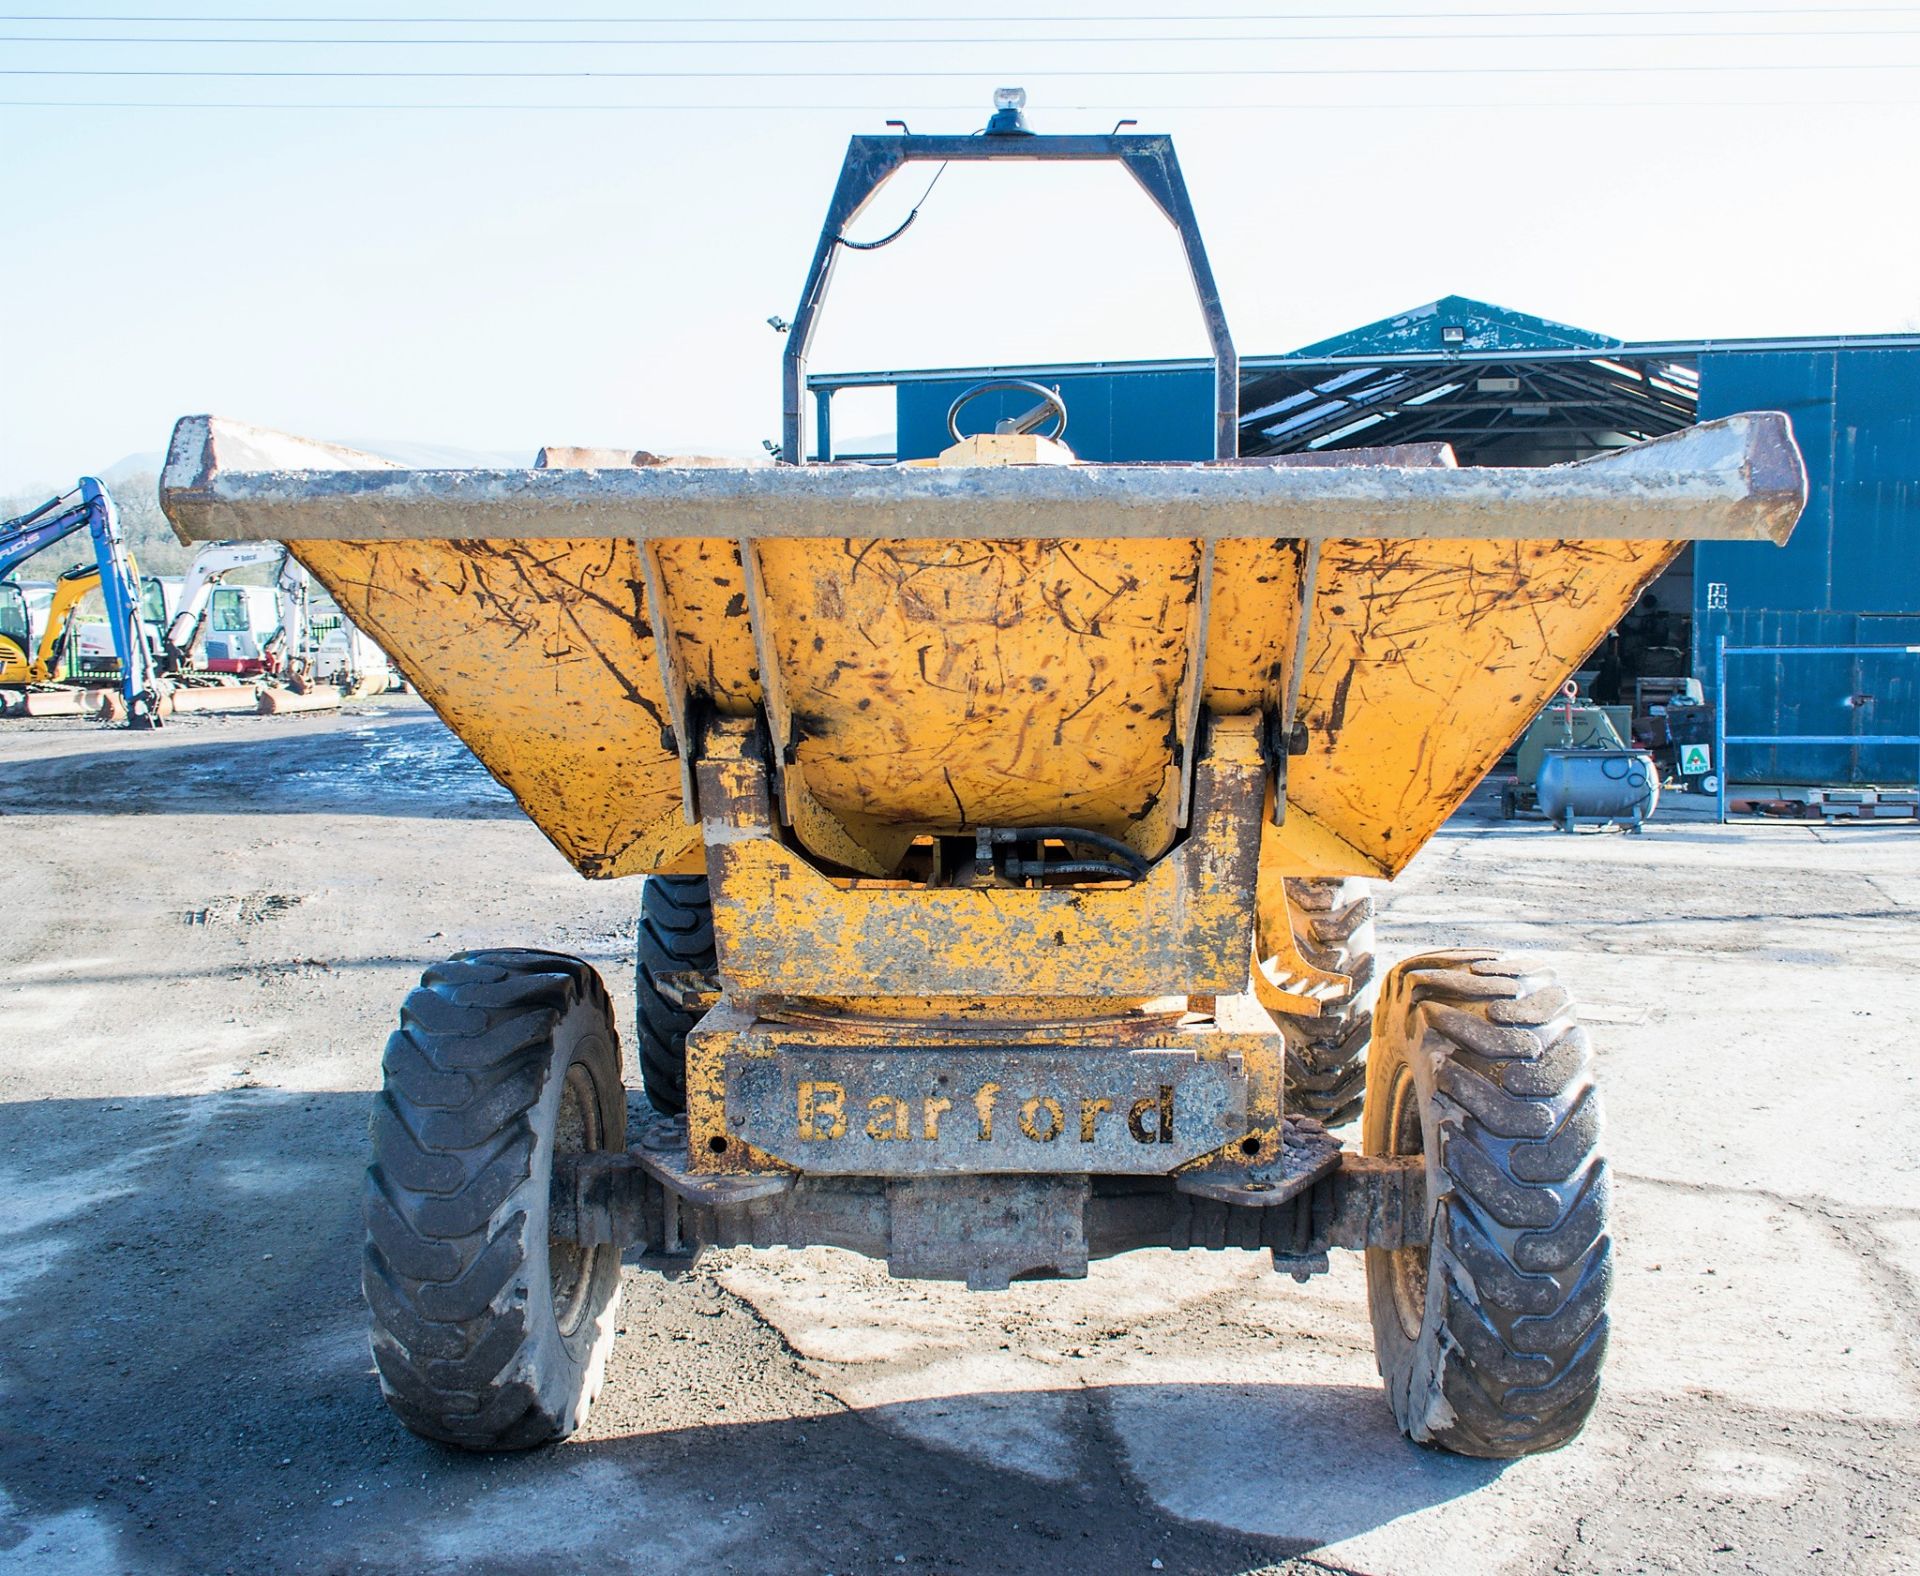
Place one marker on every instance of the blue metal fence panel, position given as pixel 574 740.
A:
pixel 1111 415
pixel 1860 729
pixel 1823 692
pixel 1876 482
pixel 1849 576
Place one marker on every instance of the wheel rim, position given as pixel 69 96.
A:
pixel 1407 1267
pixel 576 1130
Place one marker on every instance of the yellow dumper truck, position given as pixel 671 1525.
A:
pixel 1006 822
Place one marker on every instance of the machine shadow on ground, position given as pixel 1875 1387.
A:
pixel 187 1387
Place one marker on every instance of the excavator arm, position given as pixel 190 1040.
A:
pixel 293 647
pixel 89 507
pixel 211 565
pixel 68 593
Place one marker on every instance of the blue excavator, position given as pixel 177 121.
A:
pixel 88 507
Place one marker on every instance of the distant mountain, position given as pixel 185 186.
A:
pixel 118 473
pixel 440 456
pixel 415 456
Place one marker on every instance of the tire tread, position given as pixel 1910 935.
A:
pixel 1326 1057
pixel 1516 1331
pixel 453 1144
pixel 674 935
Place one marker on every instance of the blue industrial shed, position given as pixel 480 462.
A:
pixel 1508 388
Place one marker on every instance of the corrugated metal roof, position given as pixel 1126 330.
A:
pixel 1503 387
pixel 1458 323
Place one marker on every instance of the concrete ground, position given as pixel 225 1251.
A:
pixel 206 934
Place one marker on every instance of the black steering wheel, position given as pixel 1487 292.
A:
pixel 1056 406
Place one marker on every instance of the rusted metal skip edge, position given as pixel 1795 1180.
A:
pixel 1738 478
pixel 1194 681
pixel 672 679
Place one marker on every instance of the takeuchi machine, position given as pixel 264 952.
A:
pixel 1007 823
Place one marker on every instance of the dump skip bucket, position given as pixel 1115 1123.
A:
pixel 982 643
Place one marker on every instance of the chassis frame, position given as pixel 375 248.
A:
pixel 1148 1119
pixel 986 1230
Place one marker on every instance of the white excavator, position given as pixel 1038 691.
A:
pixel 211 565
pixel 304 644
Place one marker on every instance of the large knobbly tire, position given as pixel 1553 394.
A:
pixel 1490 1339
pixel 1327 1055
pixel 487 1332
pixel 675 936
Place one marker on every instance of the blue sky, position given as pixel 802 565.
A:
pixel 501 277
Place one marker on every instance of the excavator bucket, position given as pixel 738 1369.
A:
pixel 937 649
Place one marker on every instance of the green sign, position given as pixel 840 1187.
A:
pixel 1695 759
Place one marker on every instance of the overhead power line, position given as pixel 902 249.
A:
pixel 1711 68
pixel 998 41
pixel 787 20
pixel 843 109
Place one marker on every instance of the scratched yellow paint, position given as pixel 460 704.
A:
pixel 704 588
pixel 946 685
pixel 939 685
pixel 540 655
pixel 783 929
pixel 934 686
pixel 1251 623
pixel 1425 660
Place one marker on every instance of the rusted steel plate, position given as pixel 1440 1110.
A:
pixel 987 1231
pixel 781 928
pixel 937 1112
pixel 982 1229
pixel 1739 478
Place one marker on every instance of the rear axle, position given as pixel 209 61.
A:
pixel 985 1230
